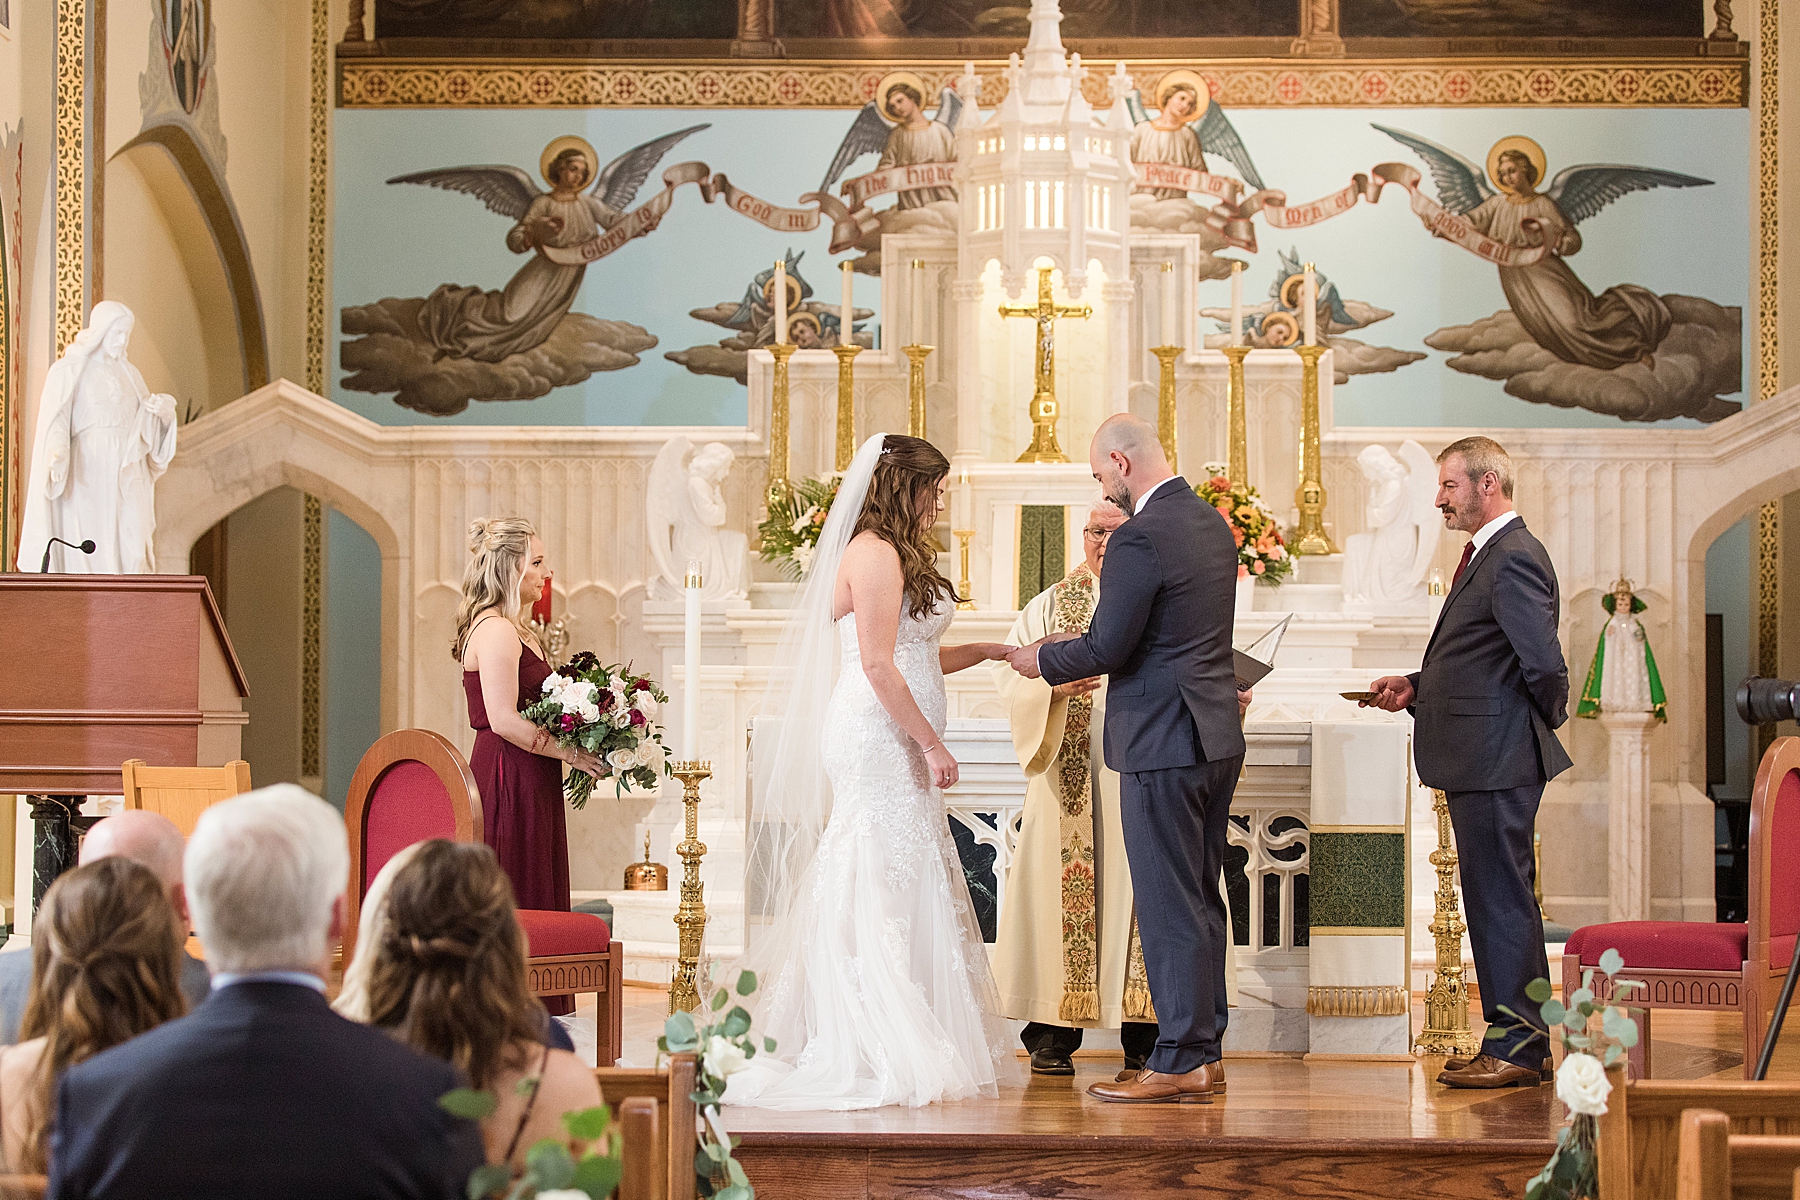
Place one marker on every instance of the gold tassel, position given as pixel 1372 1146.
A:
pixel 1079 1006
pixel 1138 1006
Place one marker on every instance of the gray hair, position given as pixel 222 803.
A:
pixel 262 872
pixel 1481 455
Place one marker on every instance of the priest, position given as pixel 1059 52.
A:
pixel 1067 957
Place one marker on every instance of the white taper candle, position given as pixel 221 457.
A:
pixel 1169 333
pixel 1237 303
pixel 846 306
pixel 1309 305
pixel 690 696
pixel 781 314
pixel 918 302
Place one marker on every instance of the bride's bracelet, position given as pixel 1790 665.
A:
pixel 930 748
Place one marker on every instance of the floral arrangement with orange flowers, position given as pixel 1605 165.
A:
pixel 1262 551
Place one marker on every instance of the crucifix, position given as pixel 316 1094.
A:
pixel 1044 447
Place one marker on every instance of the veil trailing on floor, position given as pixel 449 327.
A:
pixel 792 796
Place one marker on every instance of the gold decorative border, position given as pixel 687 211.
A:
pixel 71 170
pixel 1768 332
pixel 1250 83
pixel 312 603
pixel 318 150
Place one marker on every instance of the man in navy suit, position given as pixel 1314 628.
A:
pixel 1485 704
pixel 1161 633
pixel 263 1090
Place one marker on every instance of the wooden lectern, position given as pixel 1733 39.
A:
pixel 99 669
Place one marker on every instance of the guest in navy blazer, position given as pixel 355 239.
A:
pixel 1486 703
pixel 263 1091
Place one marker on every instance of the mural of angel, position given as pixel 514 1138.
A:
pixel 811 324
pixel 1172 137
pixel 894 123
pixel 467 322
pixel 686 513
pixel 1385 567
pixel 1625 323
pixel 1276 323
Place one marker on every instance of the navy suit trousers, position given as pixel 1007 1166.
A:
pixel 1174 823
pixel 1494 855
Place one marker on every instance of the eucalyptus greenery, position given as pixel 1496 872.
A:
pixel 721 1048
pixel 588 1162
pixel 1573 1172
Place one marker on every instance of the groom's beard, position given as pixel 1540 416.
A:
pixel 1121 498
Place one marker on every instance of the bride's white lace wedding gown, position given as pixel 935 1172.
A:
pixel 877 991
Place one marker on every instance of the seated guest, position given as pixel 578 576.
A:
pixel 449 979
pixel 371 926
pixel 106 949
pixel 262 1091
pixel 144 837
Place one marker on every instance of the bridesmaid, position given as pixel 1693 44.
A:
pixel 518 767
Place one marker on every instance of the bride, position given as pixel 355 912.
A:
pixel 875 982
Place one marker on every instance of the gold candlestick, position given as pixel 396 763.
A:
pixel 690 918
pixel 779 488
pixel 1310 537
pixel 1237 426
pixel 846 410
pixel 1447 1003
pixel 1165 399
pixel 964 597
pixel 915 388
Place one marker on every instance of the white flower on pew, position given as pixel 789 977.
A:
pixel 724 1057
pixel 1581 1084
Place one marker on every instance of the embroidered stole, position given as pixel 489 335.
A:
pixel 1073 610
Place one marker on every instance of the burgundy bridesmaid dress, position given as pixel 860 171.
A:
pixel 522 814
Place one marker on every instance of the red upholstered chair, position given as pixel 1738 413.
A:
pixel 413 785
pixel 1695 965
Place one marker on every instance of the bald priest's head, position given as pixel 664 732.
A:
pixel 144 837
pixel 1127 459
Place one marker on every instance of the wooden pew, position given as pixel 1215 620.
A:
pixel 1716 1164
pixel 657 1104
pixel 1640 1135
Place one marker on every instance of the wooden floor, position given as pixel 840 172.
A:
pixel 1286 1128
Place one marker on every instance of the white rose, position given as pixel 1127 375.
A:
pixel 589 713
pixel 622 760
pixel 724 1058
pixel 1581 1084
pixel 802 556
pixel 553 682
pixel 649 754
pixel 645 703
pixel 620 718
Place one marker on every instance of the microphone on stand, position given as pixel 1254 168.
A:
pixel 86 547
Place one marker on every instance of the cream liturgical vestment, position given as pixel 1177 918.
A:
pixel 1067 951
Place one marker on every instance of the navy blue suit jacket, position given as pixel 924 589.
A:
pixel 262 1091
pixel 1162 635
pixel 1493 686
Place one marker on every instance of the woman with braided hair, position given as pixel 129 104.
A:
pixel 106 966
pixel 448 979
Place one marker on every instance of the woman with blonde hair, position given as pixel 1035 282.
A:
pixel 105 967
pixel 448 978
pixel 876 986
pixel 518 767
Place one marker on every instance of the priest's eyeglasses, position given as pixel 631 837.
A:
pixel 1096 533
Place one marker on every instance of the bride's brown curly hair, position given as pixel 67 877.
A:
pixel 901 508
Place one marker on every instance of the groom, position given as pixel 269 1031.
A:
pixel 1162 634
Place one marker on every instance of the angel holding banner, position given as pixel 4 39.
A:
pixel 468 322
pixel 1625 323
pixel 1171 138
pixel 894 123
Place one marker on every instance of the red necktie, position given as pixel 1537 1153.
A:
pixel 1463 565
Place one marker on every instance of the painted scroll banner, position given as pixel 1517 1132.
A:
pixel 645 217
pixel 1233 218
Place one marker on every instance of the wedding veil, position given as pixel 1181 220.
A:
pixel 791 798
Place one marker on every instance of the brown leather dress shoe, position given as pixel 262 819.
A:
pixel 1218 1076
pixel 1546 1073
pixel 1487 1072
pixel 1154 1087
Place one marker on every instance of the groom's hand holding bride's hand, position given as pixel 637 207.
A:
pixel 1023 659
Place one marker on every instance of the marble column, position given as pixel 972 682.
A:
pixel 1628 815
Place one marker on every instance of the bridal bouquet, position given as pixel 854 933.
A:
pixel 609 712
pixel 794 523
pixel 1262 551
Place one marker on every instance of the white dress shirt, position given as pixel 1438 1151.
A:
pixel 1486 533
pixel 1144 499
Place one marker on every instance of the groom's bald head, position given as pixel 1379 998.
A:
pixel 1127 458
